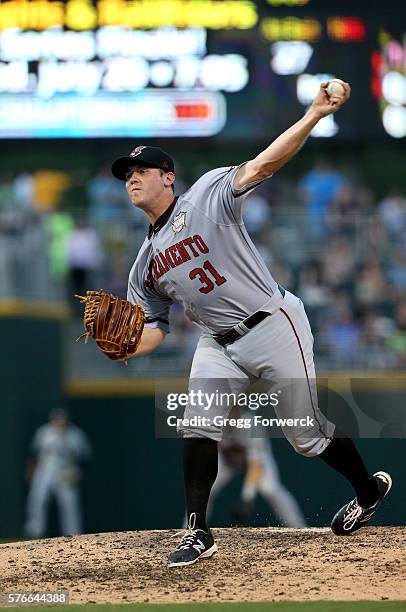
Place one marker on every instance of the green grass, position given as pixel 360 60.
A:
pixel 264 606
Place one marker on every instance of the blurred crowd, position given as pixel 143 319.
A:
pixel 325 237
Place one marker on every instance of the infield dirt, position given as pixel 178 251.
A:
pixel 251 565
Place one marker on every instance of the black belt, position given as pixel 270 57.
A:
pixel 232 335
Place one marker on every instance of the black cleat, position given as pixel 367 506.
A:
pixel 195 544
pixel 352 516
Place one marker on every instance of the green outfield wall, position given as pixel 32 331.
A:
pixel 31 385
pixel 134 480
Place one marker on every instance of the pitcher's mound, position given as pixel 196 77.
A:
pixel 251 565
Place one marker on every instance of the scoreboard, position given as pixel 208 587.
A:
pixel 234 69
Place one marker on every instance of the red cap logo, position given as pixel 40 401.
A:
pixel 137 151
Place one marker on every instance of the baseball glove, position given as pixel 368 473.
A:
pixel 115 324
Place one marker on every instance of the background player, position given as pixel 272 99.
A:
pixel 255 456
pixel 59 451
pixel 198 253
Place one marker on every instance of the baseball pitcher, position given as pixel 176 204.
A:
pixel 198 253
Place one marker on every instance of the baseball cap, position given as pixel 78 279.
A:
pixel 148 156
pixel 57 413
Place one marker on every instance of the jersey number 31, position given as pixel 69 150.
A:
pixel 207 284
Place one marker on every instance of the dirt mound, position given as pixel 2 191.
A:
pixel 252 565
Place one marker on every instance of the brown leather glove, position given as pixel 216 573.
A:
pixel 115 324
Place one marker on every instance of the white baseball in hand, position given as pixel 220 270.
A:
pixel 336 87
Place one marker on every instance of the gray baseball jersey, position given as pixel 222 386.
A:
pixel 60 449
pixel 199 254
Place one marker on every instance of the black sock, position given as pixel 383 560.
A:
pixel 342 455
pixel 200 463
